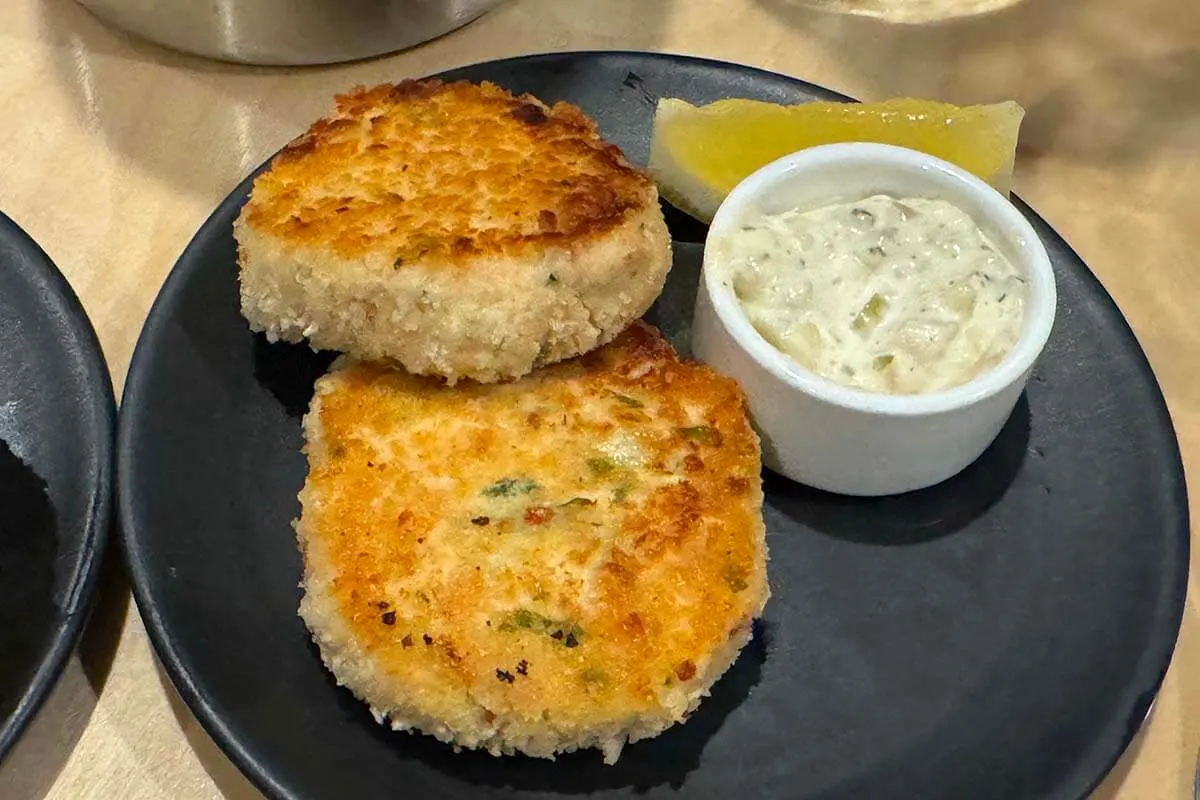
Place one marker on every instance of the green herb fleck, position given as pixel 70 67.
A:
pixel 870 314
pixel 593 675
pixel 735 578
pixel 601 466
pixel 523 619
pixel 882 362
pixel 702 433
pixel 551 279
pixel 510 487
pixel 620 494
pixel 579 501
pixel 626 400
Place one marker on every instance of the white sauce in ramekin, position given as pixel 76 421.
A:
pixel 898 296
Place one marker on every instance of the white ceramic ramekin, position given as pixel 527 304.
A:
pixel 846 440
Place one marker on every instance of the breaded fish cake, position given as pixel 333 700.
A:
pixel 455 228
pixel 568 561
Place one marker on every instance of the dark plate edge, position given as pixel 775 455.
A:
pixel 103 412
pixel 1180 567
pixel 663 55
pixel 129 528
pixel 163 645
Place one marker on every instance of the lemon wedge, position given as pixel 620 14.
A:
pixel 699 153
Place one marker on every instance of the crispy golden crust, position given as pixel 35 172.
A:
pixel 453 228
pixel 445 173
pixel 581 551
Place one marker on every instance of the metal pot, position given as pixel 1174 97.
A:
pixel 288 32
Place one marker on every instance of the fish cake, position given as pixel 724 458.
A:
pixel 566 561
pixel 454 228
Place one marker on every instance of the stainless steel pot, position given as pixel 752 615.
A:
pixel 288 32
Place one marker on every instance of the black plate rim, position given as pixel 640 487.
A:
pixel 129 528
pixel 101 413
pixel 1182 561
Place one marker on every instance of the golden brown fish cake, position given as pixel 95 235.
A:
pixel 455 228
pixel 563 562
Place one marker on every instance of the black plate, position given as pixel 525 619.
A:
pixel 1000 636
pixel 57 421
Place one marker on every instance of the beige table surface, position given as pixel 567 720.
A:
pixel 113 152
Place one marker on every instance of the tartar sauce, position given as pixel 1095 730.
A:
pixel 899 296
